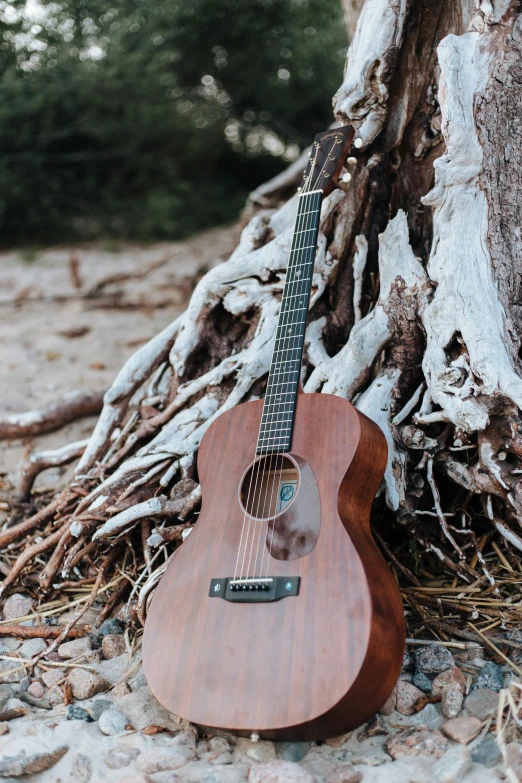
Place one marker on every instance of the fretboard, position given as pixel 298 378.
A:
pixel 277 421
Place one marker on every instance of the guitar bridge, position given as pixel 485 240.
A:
pixel 254 590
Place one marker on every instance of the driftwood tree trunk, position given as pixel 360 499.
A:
pixel 415 313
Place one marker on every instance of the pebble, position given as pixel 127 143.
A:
pixel 88 618
pixel 163 758
pixel 486 752
pixel 407 663
pixel 10 671
pixel 429 717
pixel 292 751
pixel 113 645
pixel 433 660
pixel 55 695
pixel 32 647
pixel 344 774
pixel 17 605
pixel 8 644
pixel 279 772
pixel 53 676
pixel 490 676
pixel 514 635
pixel 6 693
pixel 112 669
pixel 336 742
pixel 451 679
pixel 407 696
pixel 112 722
pixel 452 767
pixel 462 730
pixel 422 682
pixel 136 779
pixel 73 712
pixel 482 704
pixel 111 626
pixel 451 702
pixel 99 706
pixel 259 751
pixel 514 756
pixel 29 760
pixel 36 689
pixel 389 705
pixel 121 689
pixel 4 728
pixel 417 741
pixel 74 648
pixel 86 684
pixel 142 710
pixel 377 725
pixel 24 684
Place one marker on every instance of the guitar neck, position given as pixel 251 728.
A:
pixel 277 421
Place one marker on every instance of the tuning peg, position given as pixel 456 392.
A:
pixel 346 177
pixel 351 161
pixel 358 143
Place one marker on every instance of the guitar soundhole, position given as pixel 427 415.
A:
pixel 269 486
pixel 281 491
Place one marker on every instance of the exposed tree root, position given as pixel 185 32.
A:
pixel 412 319
pixel 72 405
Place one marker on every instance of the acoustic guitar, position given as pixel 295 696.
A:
pixel 278 617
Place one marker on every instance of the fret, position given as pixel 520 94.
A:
pixel 261 441
pixel 281 395
pixel 276 421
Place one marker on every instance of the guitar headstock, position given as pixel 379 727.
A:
pixel 329 152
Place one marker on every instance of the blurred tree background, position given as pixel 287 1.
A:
pixel 154 119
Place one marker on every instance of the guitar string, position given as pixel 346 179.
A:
pixel 297 227
pixel 256 468
pixel 317 184
pixel 278 471
pixel 271 510
pixel 276 482
pixel 277 479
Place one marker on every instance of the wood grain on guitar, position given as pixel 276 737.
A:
pixel 279 615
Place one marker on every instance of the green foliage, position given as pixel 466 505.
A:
pixel 153 120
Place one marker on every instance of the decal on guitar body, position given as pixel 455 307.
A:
pixel 278 618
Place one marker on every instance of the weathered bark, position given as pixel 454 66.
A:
pixel 415 310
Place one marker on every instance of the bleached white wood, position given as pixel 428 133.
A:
pixel 465 303
pixel 359 264
pixel 347 372
pixel 376 403
pixel 363 95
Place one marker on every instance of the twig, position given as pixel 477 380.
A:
pixel 71 406
pixel 28 554
pixel 41 460
pixel 438 508
pixel 457 645
pixel 406 571
pixel 495 648
pixel 42 631
pixel 101 573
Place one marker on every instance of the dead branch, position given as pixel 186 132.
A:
pixel 72 405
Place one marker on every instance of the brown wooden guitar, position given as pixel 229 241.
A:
pixel 278 617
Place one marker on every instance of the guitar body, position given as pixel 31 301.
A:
pixel 308 666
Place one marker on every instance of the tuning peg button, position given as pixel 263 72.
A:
pixel 346 177
pixel 358 143
pixel 351 161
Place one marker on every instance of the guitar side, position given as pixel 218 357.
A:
pixel 305 667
